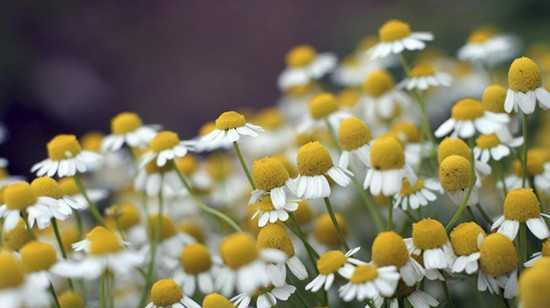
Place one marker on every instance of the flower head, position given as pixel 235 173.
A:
pixel 353 134
pixel 325 232
pixel 464 238
pixel 498 255
pixel 493 98
pixel 38 256
pixel 455 173
pixel 531 282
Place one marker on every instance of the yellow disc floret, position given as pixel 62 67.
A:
pixel 103 241
pixel 422 70
pixel 429 234
pixel 71 299
pixel 524 75
pixel 215 300
pixel 533 285
pixel 300 56
pixel 19 196
pixel 407 131
pixel 467 109
pixel 46 186
pixel 63 146
pixel 546 248
pixel 535 163
pixel 521 204
pixel 394 30
pixel 15 238
pixel 194 230
pixel 187 165
pixel 269 173
pixel 364 273
pixel 325 232
pixel 487 141
pixel 498 255
pixel 238 249
pixel 92 141
pixel 229 120
pixel 125 214
pixel 163 141
pixel 480 36
pixel 304 213
pixel 453 146
pixel 167 227
pixel 69 186
pixel 322 105
pixel 386 153
pixel 378 83
pixel 455 173
pixel 493 98
pixel 464 238
pixel 313 159
pixel 330 262
pixel 11 271
pixel 38 256
pixel 195 259
pixel 125 122
pixel 408 189
pixel 166 292
pixel 270 118
pixel 389 248
pixel 348 97
pixel 353 133
pixel 275 236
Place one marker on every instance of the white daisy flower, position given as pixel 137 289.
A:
pixel 492 147
pixel 267 298
pixel 537 168
pixel 128 129
pixel 487 47
pixel 410 135
pixel 417 195
pixel 271 177
pixel 417 299
pixel 522 206
pixel 163 148
pixel 315 166
pixel 331 263
pixel 303 65
pixel 468 117
pixel 422 77
pixel 267 212
pixel 354 137
pixel 323 111
pixel 499 261
pixel 74 196
pixel 38 258
pixel 430 241
pixel 525 87
pixel 465 239
pixel 230 127
pixel 543 253
pixel 166 293
pixel 369 282
pixel 153 179
pixel 197 269
pixel 353 70
pixel 395 37
pixel 66 158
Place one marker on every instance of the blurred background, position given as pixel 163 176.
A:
pixel 69 66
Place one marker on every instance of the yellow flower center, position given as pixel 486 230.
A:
pixel 367 43
pixel 467 109
pixel 303 214
pixel 92 141
pixel 238 249
pixel 71 299
pixel 69 236
pixel 546 248
pixel 207 128
pixel 493 98
pixel 103 241
pixel 218 166
pixel 353 133
pixel 408 189
pixel 455 173
pixel 275 236
pixel 407 131
pixel 348 98
pixel 38 256
pixel 19 196
pixel 535 163
pixel 313 159
pixel 270 118
pixel 194 230
pixel 69 187
pixel 498 255
pixel 322 105
pixel 532 282
pixel 487 141
pixel 330 262
pixel 422 70
pixel 464 238
pixel 429 234
pixel 11 271
pixel 521 204
pixel 229 120
pixel 386 153
pixel 215 300
pixel 289 166
pixel 195 259
pixel 453 146
pixel 167 228
pixel 300 56
pixel 325 232
pixel 480 36
pixel 125 122
pixel 394 30
pixel 164 140
pixel 16 237
pixel 388 249
pixel 524 75
pixel 378 83
pixel 63 146
pixel 125 214
pixel 187 165
pixel 46 186
pixel 364 273
pixel 269 173
pixel 166 292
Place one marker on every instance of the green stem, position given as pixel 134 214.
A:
pixel 484 214
pixel 524 151
pixel 500 174
pixel 390 217
pixel 60 244
pixel 461 208
pixel 371 207
pixel 102 303
pixel 24 216
pixel 447 293
pixel 91 204
pixel 313 255
pixel 54 295
pixel 522 241
pixel 79 224
pixel 335 223
pixel 243 164
pixel 332 132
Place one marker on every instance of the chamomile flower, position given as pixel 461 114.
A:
pixel 215 300
pixel 369 281
pixel 532 282
pixel 230 126
pixel 325 233
pixel 354 137
pixel 197 269
pixel 331 263
pixel 468 117
pixel 72 192
pixel 486 47
pixel 5 177
pixel 304 64
pixel 389 249
pixel 456 146
pixel 455 176
pixel 127 129
pixel 16 237
pixel 66 158
pixel 521 206
pixel 492 147
pixel 465 238
pixel 498 265
pixel 387 167
pixel 543 253
pixel 430 241
pixel 265 297
pixel 166 293
pixel 153 179
pixel 525 87
pixel 395 37
pixel 416 195
pixel 166 146
pixel 16 289
pixel 37 259
pixel 71 299
pixel 410 136
pixel 323 111
pixel 270 177
pixel 127 218
pixel 537 167
pixel 266 211
pixel 354 69
pixel 19 199
pixel 423 76
pixel 275 236
pixel 315 167
pixel 104 250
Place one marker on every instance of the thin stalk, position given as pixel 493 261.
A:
pixel 79 224
pixel 1 230
pixel 484 214
pixel 373 211
pixel 335 223
pixel 60 244
pixel 461 208
pixel 54 295
pixel 332 132
pixel 522 241
pixel 524 150
pixel 313 255
pixel 390 217
pixel 91 204
pixel 447 293
pixel 102 295
pixel 110 289
pixel 500 175
pixel 26 220
pixel 243 164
